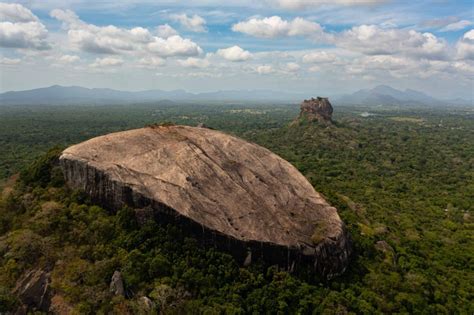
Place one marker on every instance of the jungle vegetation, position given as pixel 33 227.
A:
pixel 401 178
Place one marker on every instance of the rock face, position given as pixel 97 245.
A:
pixel 317 109
pixel 116 284
pixel 228 192
pixel 34 291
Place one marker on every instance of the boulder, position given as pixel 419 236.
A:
pixel 387 250
pixel 116 284
pixel 147 305
pixel 34 291
pixel 230 193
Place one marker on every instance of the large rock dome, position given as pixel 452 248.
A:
pixel 239 195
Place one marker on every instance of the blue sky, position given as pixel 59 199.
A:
pixel 314 46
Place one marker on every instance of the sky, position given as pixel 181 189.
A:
pixel 319 47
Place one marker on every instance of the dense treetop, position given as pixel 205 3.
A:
pixel 402 179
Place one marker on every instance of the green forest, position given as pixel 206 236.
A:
pixel 401 178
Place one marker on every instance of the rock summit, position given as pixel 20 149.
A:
pixel 316 109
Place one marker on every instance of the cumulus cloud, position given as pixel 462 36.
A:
pixel 152 62
pixel 69 59
pixel 319 57
pixel 374 40
pixel 194 63
pixel 107 62
pixel 464 68
pixel 234 53
pixel 193 23
pixel 465 46
pixel 303 4
pixel 114 40
pixel 314 69
pixel 20 28
pixel 16 13
pixel 264 69
pixel 456 26
pixel 9 61
pixel 165 31
pixel 275 26
pixel 382 64
pixel 174 46
pixel 291 67
pixel 68 17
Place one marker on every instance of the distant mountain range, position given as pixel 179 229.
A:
pixel 55 95
pixel 79 95
pixel 386 95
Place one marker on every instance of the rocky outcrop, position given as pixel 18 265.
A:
pixel 316 109
pixel 229 193
pixel 116 284
pixel 33 291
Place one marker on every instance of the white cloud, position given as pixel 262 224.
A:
pixel 68 17
pixel 9 61
pixel 465 46
pixel 275 26
pixel 303 4
pixel 16 13
pixel 374 40
pixel 264 69
pixel 174 46
pixel 194 63
pixel 107 62
pixel 319 57
pixel 69 59
pixel 193 23
pixel 383 65
pixel 464 67
pixel 20 28
pixel 291 67
pixel 234 53
pixel 23 35
pixel 165 31
pixel 469 35
pixel 114 40
pixel 460 25
pixel 152 62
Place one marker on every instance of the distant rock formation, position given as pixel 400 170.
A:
pixel 316 109
pixel 229 193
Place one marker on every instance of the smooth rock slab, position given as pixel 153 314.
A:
pixel 245 196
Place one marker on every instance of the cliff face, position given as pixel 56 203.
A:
pixel 230 193
pixel 316 109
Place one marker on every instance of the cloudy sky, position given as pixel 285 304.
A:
pixel 322 47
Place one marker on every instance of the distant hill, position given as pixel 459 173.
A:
pixel 79 95
pixel 386 95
